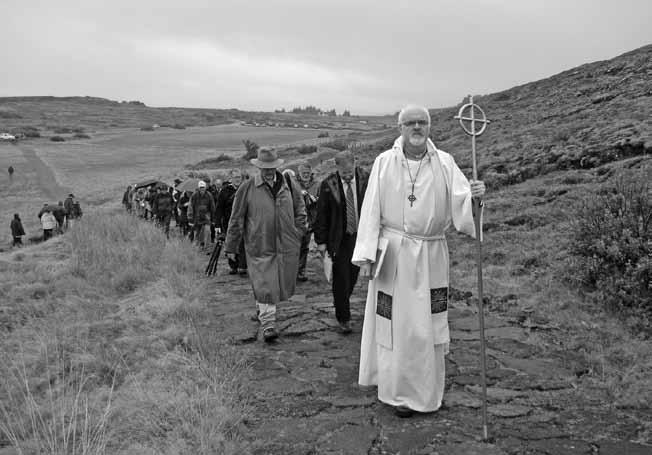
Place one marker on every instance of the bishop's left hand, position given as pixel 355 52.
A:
pixel 477 188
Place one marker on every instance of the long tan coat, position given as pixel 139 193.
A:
pixel 272 229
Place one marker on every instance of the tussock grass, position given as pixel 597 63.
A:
pixel 104 355
pixel 62 416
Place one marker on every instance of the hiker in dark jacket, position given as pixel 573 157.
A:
pixel 214 188
pixel 162 207
pixel 310 192
pixel 67 205
pixel 126 199
pixel 182 210
pixel 201 213
pixel 223 215
pixel 59 213
pixel 17 230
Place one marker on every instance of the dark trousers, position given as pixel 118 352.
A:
pixel 345 275
pixel 47 234
pixel 164 222
pixel 303 253
pixel 17 241
pixel 240 258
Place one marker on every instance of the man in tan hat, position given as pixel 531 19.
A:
pixel 272 219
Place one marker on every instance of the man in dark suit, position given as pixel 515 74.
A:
pixel 338 211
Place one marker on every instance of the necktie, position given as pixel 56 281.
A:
pixel 351 225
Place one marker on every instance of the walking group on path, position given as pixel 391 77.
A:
pixel 387 225
pixel 55 219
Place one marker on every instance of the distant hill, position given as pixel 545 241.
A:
pixel 49 113
pixel 578 119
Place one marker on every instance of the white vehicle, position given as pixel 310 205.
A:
pixel 7 137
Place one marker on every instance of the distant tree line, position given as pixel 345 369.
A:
pixel 312 110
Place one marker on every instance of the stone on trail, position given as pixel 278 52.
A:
pixel 302 326
pixel 509 410
pixel 407 440
pixel 350 439
pixel 496 393
pixel 473 323
pixel 352 402
pixel 461 398
pixel 534 367
pixel 563 447
pixel 467 448
pixel 623 448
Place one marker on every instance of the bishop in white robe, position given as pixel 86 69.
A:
pixel 408 205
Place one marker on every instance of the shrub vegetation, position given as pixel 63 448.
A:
pixel 612 241
pixel 307 149
pixel 252 149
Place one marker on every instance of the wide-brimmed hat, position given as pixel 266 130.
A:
pixel 267 159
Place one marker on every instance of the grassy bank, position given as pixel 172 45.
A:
pixel 100 352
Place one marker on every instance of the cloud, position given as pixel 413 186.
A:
pixel 221 72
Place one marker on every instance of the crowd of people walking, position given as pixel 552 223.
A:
pixel 54 219
pixel 387 224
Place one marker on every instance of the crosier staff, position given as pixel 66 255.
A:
pixel 471 130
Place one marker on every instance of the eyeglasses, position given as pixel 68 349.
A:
pixel 415 123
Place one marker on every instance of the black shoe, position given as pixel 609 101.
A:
pixel 302 277
pixel 403 411
pixel 233 272
pixel 242 272
pixel 270 334
pixel 345 327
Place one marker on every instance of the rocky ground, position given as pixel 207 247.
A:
pixel 305 397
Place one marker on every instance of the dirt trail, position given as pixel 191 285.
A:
pixel 307 401
pixel 45 178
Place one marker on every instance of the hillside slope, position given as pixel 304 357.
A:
pixel 578 119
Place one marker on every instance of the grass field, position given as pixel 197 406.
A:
pixel 97 170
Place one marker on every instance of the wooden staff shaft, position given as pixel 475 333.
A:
pixel 478 242
pixel 483 366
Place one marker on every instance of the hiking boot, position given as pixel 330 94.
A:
pixel 302 277
pixel 242 272
pixel 233 272
pixel 403 411
pixel 269 334
pixel 345 327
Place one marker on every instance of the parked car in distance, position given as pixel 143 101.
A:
pixel 7 137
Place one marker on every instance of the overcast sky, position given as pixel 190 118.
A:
pixel 362 55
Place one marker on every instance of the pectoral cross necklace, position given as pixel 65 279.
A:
pixel 412 197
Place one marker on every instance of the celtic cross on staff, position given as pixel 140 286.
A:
pixel 470 123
